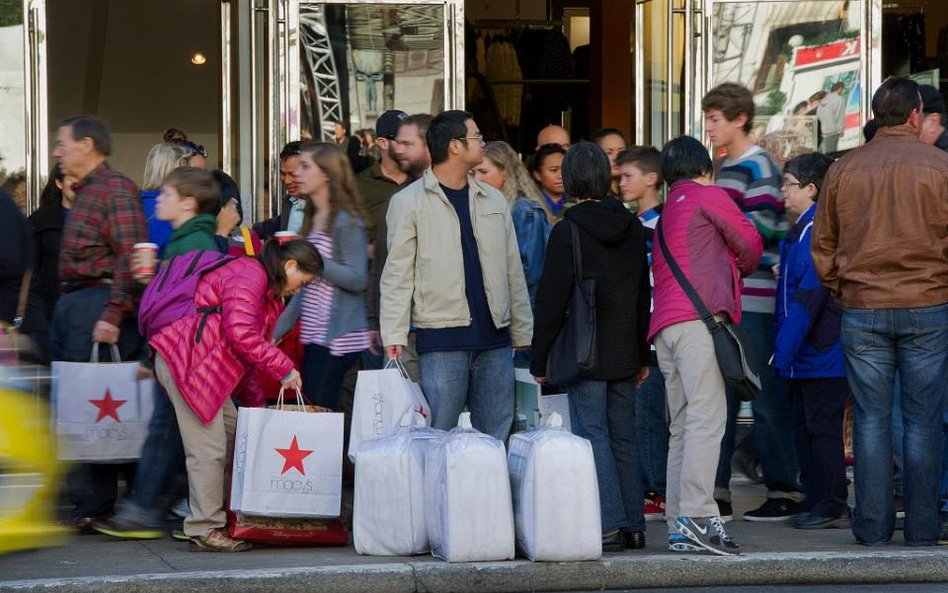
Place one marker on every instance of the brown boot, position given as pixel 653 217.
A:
pixel 217 540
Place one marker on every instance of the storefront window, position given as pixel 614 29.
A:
pixel 12 101
pixel 660 53
pixel 359 60
pixel 805 63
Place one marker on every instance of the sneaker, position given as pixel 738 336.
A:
pixel 654 508
pixel 708 532
pixel 725 510
pixel 122 529
pixel 773 509
pixel 679 543
pixel 218 541
pixel 179 536
pixel 811 521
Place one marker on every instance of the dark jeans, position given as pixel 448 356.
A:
pixel 162 458
pixel 773 414
pixel 92 488
pixel 878 343
pixel 323 374
pixel 818 407
pixel 604 413
pixel 651 427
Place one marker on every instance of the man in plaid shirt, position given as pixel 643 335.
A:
pixel 99 295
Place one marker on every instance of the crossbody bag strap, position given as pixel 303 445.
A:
pixel 577 251
pixel 706 315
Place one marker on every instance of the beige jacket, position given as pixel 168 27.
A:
pixel 423 279
pixel 880 236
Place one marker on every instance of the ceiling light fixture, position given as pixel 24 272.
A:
pixel 198 59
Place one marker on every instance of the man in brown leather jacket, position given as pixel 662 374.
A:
pixel 881 245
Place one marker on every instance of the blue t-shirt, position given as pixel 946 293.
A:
pixel 481 334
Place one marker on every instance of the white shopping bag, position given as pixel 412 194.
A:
pixel 555 494
pixel 389 508
pixel 381 399
pixel 287 463
pixel 100 410
pixel 467 493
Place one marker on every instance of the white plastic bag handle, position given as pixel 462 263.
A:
pixel 299 399
pixel 397 363
pixel 116 355
pixel 554 419
pixel 464 420
pixel 413 419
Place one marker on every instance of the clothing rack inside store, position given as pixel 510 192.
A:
pixel 907 7
pixel 517 23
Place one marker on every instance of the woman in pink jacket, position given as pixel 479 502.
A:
pixel 204 360
pixel 715 245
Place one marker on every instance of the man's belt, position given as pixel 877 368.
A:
pixel 68 286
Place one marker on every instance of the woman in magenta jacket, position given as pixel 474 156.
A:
pixel 201 375
pixel 715 245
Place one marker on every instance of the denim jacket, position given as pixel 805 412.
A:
pixel 533 231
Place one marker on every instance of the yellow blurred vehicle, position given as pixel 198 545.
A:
pixel 29 472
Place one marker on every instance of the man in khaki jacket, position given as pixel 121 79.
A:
pixel 881 245
pixel 454 273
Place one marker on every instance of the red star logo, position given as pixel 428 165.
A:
pixel 293 457
pixel 421 410
pixel 108 406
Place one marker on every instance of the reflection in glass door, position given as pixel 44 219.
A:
pixel 357 60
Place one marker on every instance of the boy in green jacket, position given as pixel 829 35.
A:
pixel 188 200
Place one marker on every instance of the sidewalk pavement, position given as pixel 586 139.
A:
pixel 772 553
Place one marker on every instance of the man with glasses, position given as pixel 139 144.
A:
pixel 454 273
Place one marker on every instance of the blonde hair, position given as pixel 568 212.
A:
pixel 162 159
pixel 343 193
pixel 519 183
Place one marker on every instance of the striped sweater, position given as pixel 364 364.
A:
pixel 753 182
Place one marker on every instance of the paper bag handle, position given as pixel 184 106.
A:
pixel 397 363
pixel 116 355
pixel 300 401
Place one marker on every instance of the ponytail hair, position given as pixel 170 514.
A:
pixel 275 255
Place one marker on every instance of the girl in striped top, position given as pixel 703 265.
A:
pixel 334 329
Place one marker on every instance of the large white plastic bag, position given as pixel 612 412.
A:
pixel 389 508
pixel 101 411
pixel 467 492
pixel 380 401
pixel 555 494
pixel 287 464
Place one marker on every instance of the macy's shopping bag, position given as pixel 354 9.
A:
pixel 287 463
pixel 381 399
pixel 100 410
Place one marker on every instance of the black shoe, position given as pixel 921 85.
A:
pixel 613 541
pixel 725 510
pixel 633 540
pixel 773 509
pixel 811 521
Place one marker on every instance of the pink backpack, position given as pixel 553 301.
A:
pixel 170 294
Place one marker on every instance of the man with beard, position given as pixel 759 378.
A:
pixel 411 153
pixel 381 180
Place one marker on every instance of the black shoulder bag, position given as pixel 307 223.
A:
pixel 574 351
pixel 728 338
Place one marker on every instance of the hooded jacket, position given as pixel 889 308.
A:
pixel 197 234
pixel 612 244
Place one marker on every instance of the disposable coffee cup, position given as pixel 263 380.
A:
pixel 283 237
pixel 145 259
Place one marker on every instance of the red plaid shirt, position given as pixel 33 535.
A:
pixel 105 221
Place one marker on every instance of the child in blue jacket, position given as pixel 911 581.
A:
pixel 808 353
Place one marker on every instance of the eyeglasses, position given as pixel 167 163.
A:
pixel 478 137
pixel 791 184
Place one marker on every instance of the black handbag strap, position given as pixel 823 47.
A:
pixel 706 315
pixel 577 252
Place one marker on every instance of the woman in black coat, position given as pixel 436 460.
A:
pixel 602 401
pixel 47 223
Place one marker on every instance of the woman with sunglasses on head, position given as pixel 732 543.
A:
pixel 334 327
pixel 195 155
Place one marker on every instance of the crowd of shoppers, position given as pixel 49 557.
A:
pixel 452 254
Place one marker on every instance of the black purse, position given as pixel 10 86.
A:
pixel 574 352
pixel 728 338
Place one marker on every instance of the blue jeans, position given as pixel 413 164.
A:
pixel 482 380
pixel 162 456
pixel 878 343
pixel 652 430
pixel 773 416
pixel 323 374
pixel 604 413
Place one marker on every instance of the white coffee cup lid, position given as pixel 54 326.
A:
pixel 145 246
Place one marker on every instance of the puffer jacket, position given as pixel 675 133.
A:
pixel 714 244
pixel 807 344
pixel 209 370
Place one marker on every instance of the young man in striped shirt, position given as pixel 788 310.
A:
pixel 750 176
